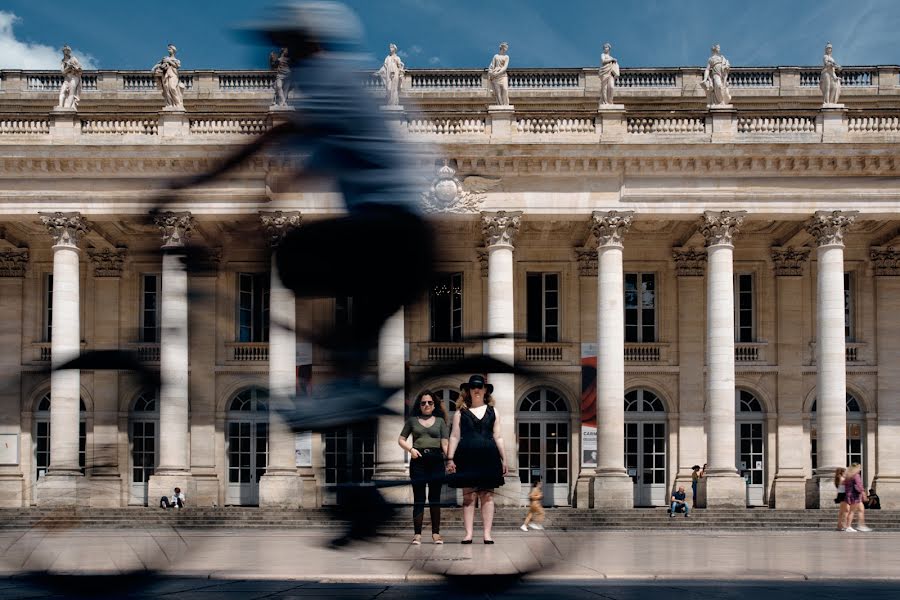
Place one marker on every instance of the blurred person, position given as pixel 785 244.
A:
pixel 873 502
pixel 841 498
pixel 696 476
pixel 535 509
pixel 679 503
pixel 429 433
pixel 177 500
pixel 856 498
pixel 476 458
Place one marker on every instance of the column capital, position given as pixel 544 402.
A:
pixel 719 227
pixel 107 262
pixel 482 254
pixel 689 262
pixel 278 223
pixel 610 227
pixel 587 261
pixel 13 262
pixel 828 227
pixel 176 227
pixel 789 261
pixel 500 228
pixel 886 261
pixel 65 228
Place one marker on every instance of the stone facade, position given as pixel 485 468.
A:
pixel 731 269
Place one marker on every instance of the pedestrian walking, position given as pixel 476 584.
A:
pixel 534 518
pixel 841 498
pixel 856 497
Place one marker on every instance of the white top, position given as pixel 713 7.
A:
pixel 177 497
pixel 842 489
pixel 479 411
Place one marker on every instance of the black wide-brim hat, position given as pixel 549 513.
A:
pixel 477 380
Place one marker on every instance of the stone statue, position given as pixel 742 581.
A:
pixel 281 64
pixel 497 75
pixel 391 73
pixel 715 79
pixel 166 72
pixel 830 81
pixel 609 71
pixel 70 90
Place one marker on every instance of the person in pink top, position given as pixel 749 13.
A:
pixel 856 497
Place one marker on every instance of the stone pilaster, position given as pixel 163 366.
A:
pixel 613 488
pixel 722 486
pixel 499 230
pixel 173 467
pixel 13 264
pixel 63 485
pixel 280 485
pixel 392 373
pixel 828 229
pixel 790 480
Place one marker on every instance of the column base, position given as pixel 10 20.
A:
pixel 583 497
pixel 12 490
pixel 164 484
pixel 68 489
pixel 613 490
pixel 725 490
pixel 888 489
pixel 401 494
pixel 790 492
pixel 105 490
pixel 206 489
pixel 280 490
pixel 310 491
pixel 821 491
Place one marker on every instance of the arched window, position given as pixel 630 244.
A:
pixel 42 436
pixel 449 397
pixel 747 403
pixel 750 454
pixel 248 445
pixel 642 400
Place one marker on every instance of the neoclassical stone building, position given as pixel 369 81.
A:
pixel 731 272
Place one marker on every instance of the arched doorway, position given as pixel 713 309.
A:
pixel 41 443
pixel 543 425
pixel 143 436
pixel 856 434
pixel 645 446
pixel 750 454
pixel 247 445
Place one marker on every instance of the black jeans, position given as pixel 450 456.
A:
pixel 428 470
pixel 165 503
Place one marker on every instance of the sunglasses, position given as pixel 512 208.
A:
pixel 426 403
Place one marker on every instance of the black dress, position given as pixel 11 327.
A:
pixel 477 459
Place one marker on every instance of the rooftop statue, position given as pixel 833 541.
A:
pixel 391 73
pixel 497 75
pixel 70 90
pixel 609 71
pixel 830 81
pixel 166 73
pixel 281 64
pixel 715 79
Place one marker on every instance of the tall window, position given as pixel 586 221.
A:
pixel 542 307
pixel 48 307
pixel 640 307
pixel 150 295
pixel 743 307
pixel 446 308
pixel 253 307
pixel 848 308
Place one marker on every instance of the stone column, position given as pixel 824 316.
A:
pixel 613 488
pixel 392 373
pixel 828 229
pixel 13 263
pixel 790 478
pixel 887 308
pixel 63 484
pixel 499 230
pixel 690 268
pixel 173 360
pixel 106 481
pixel 722 485
pixel 280 485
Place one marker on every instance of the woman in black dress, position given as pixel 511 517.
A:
pixel 476 458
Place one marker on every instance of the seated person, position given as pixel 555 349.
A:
pixel 678 503
pixel 177 500
pixel 873 502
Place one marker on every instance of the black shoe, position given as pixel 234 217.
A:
pixel 465 542
pixel 488 541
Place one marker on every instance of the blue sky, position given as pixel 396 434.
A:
pixel 133 34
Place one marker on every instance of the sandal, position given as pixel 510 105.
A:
pixel 436 538
pixel 417 540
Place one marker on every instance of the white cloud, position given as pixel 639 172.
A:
pixel 16 54
pixel 434 60
pixel 415 49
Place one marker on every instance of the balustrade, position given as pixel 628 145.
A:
pixel 51 82
pixel 240 82
pixel 248 351
pixel 553 125
pixel 448 126
pixel 666 125
pixel 646 79
pixel 751 78
pixel 236 126
pixel 24 127
pixel 441 81
pixel 849 77
pixel 874 124
pixel 543 79
pixel 643 353
pixel 120 126
pixel 765 124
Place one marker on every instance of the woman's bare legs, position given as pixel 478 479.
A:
pixel 842 514
pixel 487 511
pixel 468 511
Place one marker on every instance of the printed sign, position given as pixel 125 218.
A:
pixel 588 405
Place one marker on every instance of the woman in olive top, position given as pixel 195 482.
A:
pixel 430 434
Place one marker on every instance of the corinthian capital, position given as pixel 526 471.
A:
pixel 500 228
pixel 789 261
pixel 176 228
pixel 719 227
pixel 277 224
pixel 610 227
pixel 65 228
pixel 828 227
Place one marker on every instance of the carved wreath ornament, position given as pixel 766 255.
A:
pixel 448 195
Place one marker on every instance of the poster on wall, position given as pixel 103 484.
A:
pixel 588 405
pixel 303 439
pixel 303 448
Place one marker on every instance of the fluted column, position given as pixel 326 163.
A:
pixel 500 230
pixel 173 467
pixel 828 229
pixel 392 373
pixel 723 486
pixel 280 485
pixel 613 488
pixel 61 484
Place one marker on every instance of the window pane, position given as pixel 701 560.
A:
pixel 534 307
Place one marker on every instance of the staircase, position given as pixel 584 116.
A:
pixel 558 519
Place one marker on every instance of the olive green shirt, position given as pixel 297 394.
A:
pixel 426 437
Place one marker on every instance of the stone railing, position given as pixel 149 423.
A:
pixel 447 126
pixel 120 126
pixel 556 125
pixel 371 81
pixel 246 81
pixel 854 352
pixel 247 351
pixel 42 352
pixel 24 126
pixel 874 124
pixel 143 82
pixel 147 352
pixel 51 82
pixel 849 77
pixel 230 126
pixel 544 79
pixel 647 79
pixel 749 351
pixel 532 352
pixel 666 125
pixel 650 352
pixel 444 352
pixel 445 80
pixel 776 124
pixel 751 78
